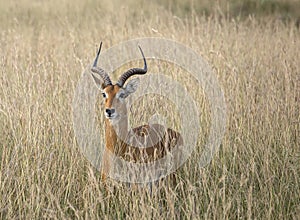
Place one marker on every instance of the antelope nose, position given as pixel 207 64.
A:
pixel 110 111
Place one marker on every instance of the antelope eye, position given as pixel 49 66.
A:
pixel 104 95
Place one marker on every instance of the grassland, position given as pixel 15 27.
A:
pixel 45 46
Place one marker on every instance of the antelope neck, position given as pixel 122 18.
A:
pixel 116 133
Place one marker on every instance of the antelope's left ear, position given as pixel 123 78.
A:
pixel 132 86
pixel 99 82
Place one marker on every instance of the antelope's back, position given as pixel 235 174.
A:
pixel 155 142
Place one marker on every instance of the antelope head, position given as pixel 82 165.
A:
pixel 115 94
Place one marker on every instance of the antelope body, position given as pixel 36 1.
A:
pixel 142 144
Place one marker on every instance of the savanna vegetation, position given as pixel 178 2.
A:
pixel 253 48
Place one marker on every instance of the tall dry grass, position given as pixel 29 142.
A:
pixel 46 46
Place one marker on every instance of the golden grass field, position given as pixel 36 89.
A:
pixel 45 47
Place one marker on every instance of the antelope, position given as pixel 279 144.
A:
pixel 155 140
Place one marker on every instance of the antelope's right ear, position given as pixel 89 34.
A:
pixel 98 81
pixel 132 86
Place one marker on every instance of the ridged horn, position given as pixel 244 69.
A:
pixel 133 71
pixel 99 71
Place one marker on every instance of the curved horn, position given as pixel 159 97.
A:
pixel 132 71
pixel 100 71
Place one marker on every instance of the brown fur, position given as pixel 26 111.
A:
pixel 168 137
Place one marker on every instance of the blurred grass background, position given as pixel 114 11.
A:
pixel 253 47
